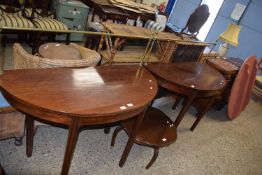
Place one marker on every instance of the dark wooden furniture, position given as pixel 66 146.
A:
pixel 196 20
pixel 79 97
pixel 257 89
pixel 191 80
pixel 2 171
pixel 44 18
pixel 157 130
pixel 105 10
pixel 12 16
pixel 229 68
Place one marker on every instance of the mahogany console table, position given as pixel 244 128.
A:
pixel 78 97
pixel 190 79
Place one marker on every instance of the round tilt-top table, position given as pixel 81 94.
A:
pixel 190 79
pixel 78 97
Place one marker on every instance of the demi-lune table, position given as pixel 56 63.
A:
pixel 190 79
pixel 78 97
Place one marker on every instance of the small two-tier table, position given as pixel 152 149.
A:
pixel 78 97
pixel 190 79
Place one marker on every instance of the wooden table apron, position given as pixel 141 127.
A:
pixel 190 92
pixel 139 78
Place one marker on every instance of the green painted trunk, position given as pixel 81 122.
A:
pixel 74 15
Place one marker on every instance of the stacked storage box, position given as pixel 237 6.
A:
pixel 74 15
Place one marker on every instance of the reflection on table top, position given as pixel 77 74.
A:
pixel 195 75
pixel 93 91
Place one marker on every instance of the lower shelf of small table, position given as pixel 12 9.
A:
pixel 129 55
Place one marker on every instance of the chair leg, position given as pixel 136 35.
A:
pixel 18 141
pixel 29 135
pixel 153 158
pixel 67 38
pixel 202 113
pixel 178 99
pixel 117 130
pixel 107 130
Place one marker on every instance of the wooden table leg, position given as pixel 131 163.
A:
pixel 29 135
pixel 70 146
pixel 2 171
pixel 107 130
pixel 202 113
pixel 131 138
pixel 188 101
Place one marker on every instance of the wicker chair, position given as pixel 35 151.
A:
pixel 12 121
pixel 180 51
pixel 24 60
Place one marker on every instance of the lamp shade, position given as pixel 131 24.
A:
pixel 230 35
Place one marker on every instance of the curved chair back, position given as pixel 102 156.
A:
pixel 24 60
pixel 196 20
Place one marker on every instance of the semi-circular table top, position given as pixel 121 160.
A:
pixel 87 93
pixel 194 75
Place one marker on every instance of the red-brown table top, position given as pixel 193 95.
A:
pixel 89 92
pixel 195 75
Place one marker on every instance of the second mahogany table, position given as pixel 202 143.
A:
pixel 190 79
pixel 78 97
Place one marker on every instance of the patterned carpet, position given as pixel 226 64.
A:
pixel 217 146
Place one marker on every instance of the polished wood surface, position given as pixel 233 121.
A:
pixel 68 91
pixel 228 69
pixel 191 80
pixel 59 51
pixel 194 75
pixel 77 97
pixel 157 130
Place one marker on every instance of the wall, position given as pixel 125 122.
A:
pixel 250 37
pixel 181 12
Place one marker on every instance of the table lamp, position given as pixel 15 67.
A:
pixel 229 36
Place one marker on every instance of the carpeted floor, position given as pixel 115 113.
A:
pixel 217 146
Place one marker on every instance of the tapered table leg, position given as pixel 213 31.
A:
pixel 107 130
pixel 203 112
pixel 131 138
pixel 29 135
pixel 184 109
pixel 70 146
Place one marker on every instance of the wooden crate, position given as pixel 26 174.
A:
pixel 12 123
